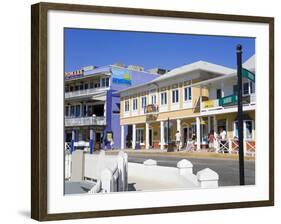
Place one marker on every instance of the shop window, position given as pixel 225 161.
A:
pixel 248 126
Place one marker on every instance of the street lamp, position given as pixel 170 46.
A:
pixel 240 114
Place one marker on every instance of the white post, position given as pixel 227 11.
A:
pixel 215 125
pixel 134 137
pixel 146 135
pixel 107 180
pixel 244 139
pixel 122 137
pixel 222 89
pixel 179 128
pixel 161 135
pixel 198 136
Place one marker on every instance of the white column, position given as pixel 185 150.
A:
pixel 198 136
pixel 146 135
pixel 222 89
pixel 179 126
pixel 162 135
pixel 134 137
pixel 215 125
pixel 209 124
pixel 122 137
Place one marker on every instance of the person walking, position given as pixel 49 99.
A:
pixel 178 140
pixel 223 140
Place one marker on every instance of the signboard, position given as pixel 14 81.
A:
pixel 247 74
pixel 208 103
pixel 121 76
pixel 232 99
pixel 73 75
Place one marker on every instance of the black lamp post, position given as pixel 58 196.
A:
pixel 240 114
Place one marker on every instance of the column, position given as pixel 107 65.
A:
pixel 209 124
pixel 72 141
pixel 179 127
pixel 122 137
pixel 215 125
pixel 134 137
pixel 198 137
pixel 146 135
pixel 162 139
pixel 91 143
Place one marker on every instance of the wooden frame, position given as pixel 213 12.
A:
pixel 39 110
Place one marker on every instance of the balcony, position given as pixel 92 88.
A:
pixel 226 103
pixel 84 121
pixel 151 109
pixel 84 92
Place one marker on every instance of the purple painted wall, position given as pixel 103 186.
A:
pixel 113 106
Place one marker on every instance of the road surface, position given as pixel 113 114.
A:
pixel 228 169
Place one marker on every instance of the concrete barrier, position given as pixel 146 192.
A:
pixel 207 178
pixel 185 167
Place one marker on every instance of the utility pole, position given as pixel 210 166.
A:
pixel 240 114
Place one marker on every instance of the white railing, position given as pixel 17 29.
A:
pixel 82 121
pixel 109 173
pixel 84 92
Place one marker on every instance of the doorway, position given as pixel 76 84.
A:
pixel 150 137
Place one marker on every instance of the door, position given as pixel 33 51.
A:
pixel 150 137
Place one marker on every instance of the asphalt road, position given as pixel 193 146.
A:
pixel 227 169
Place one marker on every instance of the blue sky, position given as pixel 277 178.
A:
pixel 99 47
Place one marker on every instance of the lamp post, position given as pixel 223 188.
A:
pixel 240 114
pixel 170 147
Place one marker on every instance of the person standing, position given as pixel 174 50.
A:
pixel 211 140
pixel 178 140
pixel 223 140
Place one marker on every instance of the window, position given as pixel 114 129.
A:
pixel 66 111
pixel 127 106
pixel 219 93
pixel 71 88
pixel 235 90
pixel 143 102
pixel 97 85
pixel 77 111
pixel 76 87
pixel 247 129
pixel 72 111
pixel 164 98
pixel 135 104
pixel 187 94
pixel 105 82
pixel 153 99
pixel 246 88
pixel 66 88
pixel 140 135
pixel 175 96
pixel 81 87
pixel 91 85
pixel 86 86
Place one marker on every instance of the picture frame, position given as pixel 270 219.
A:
pixel 40 108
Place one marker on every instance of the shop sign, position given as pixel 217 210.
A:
pixel 232 99
pixel 121 76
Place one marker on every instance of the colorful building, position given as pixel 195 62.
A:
pixel 92 109
pixel 193 99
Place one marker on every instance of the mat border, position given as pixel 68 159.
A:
pixel 39 109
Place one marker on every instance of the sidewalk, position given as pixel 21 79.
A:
pixel 195 154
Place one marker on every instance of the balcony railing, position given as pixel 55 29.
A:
pixel 84 92
pixel 226 102
pixel 84 121
pixel 151 108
